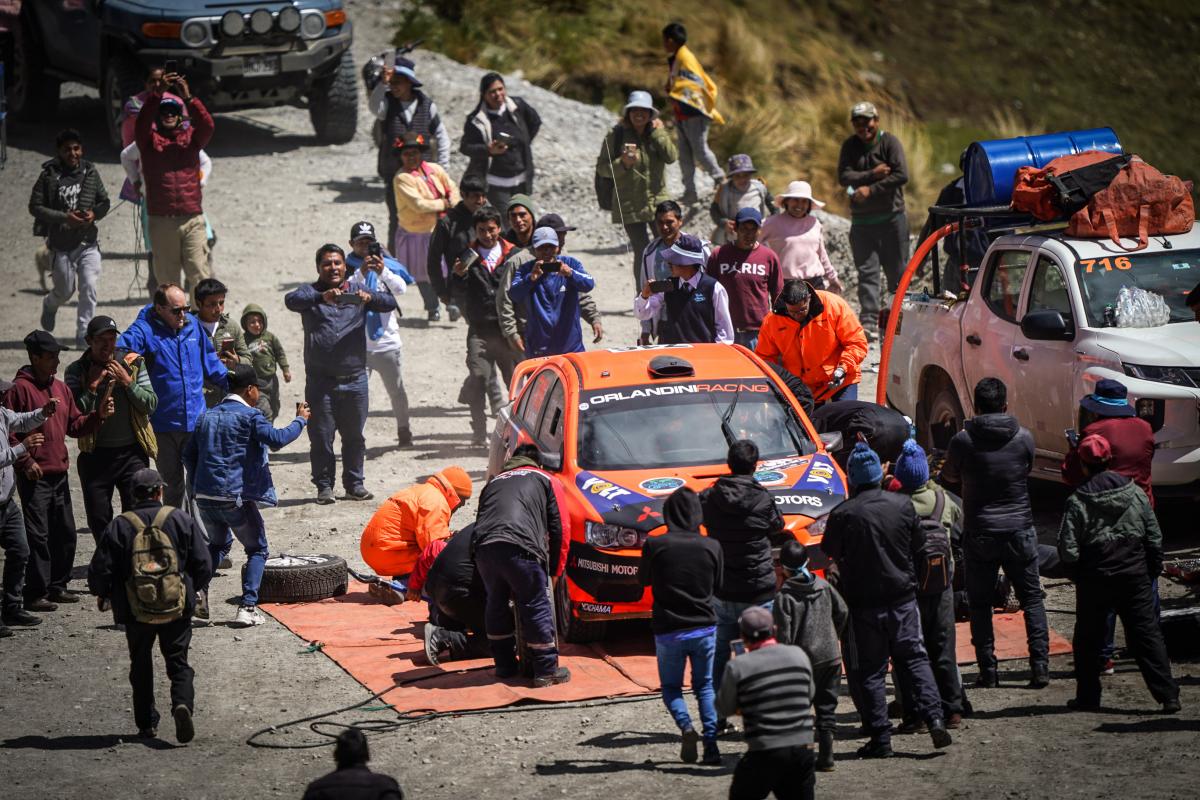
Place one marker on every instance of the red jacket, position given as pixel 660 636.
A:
pixel 416 581
pixel 171 164
pixel 1132 443
pixel 27 395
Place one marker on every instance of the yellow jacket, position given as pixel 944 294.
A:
pixel 689 83
pixel 421 197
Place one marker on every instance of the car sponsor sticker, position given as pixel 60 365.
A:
pixel 705 387
pixel 604 495
pixel 769 477
pixel 606 578
pixel 595 608
pixel 635 348
pixel 821 476
pixel 661 485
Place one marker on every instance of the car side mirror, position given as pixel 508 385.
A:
pixel 551 461
pixel 832 440
pixel 1047 326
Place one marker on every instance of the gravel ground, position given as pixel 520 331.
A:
pixel 65 722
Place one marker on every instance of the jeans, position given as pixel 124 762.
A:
pixel 169 462
pixel 337 406
pixel 16 555
pixel 509 572
pixel 50 531
pixel 1134 603
pixel 174 638
pixel 826 680
pixel 884 244
pixel 728 612
pixel 693 147
pixel 389 365
pixel 100 472
pixel 82 263
pixel 891 632
pixel 938 632
pixel 485 351
pixel 672 656
pixel 747 339
pixel 788 772
pixel 221 518
pixel 639 234
pixel 1017 555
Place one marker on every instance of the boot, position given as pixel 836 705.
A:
pixel 987 679
pixel 938 733
pixel 687 746
pixel 560 675
pixel 712 753
pixel 825 751
pixel 1039 676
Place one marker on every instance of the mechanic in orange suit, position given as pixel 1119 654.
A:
pixel 412 518
pixel 816 336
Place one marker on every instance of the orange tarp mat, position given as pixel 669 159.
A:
pixel 381 645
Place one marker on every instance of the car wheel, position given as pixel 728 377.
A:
pixel 570 628
pixel 122 80
pixel 942 417
pixel 333 103
pixel 32 94
pixel 302 578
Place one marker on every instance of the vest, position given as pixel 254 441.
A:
pixel 394 126
pixel 691 314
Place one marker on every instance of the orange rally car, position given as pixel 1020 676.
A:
pixel 625 427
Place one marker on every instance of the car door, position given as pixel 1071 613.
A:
pixel 1043 398
pixel 989 321
pixel 520 423
pixel 552 426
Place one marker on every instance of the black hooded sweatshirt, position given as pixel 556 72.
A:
pixel 741 515
pixel 991 458
pixel 682 568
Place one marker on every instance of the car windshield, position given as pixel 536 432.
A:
pixel 1170 274
pixel 659 426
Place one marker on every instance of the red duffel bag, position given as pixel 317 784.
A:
pixel 1139 202
pixel 1063 186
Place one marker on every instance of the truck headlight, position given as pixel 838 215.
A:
pixel 261 22
pixel 289 19
pixel 1153 411
pixel 194 33
pixel 312 24
pixel 1172 375
pixel 233 24
pixel 602 534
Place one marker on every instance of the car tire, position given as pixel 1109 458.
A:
pixel 32 95
pixel 291 578
pixel 570 628
pixel 122 80
pixel 941 417
pixel 333 103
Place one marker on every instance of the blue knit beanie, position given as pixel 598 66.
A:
pixel 912 467
pixel 864 468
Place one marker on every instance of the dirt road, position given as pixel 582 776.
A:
pixel 65 722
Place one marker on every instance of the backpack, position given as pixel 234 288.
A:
pixel 606 187
pixel 935 562
pixel 1139 202
pixel 156 590
pixel 1066 184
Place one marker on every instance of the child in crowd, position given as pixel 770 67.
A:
pixel 266 351
pixel 740 190
pixel 810 614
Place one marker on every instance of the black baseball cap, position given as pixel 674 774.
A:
pixel 101 324
pixel 43 342
pixel 242 376
pixel 362 230
pixel 553 221
pixel 145 481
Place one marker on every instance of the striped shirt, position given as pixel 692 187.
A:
pixel 772 689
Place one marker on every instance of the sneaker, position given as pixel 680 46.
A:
pixel 185 731
pixel 47 318
pixel 874 749
pixel 41 604
pixel 725 727
pixel 1172 706
pixel 1075 704
pixel 954 721
pixel 359 493
pixel 688 752
pixel 404 437
pixel 712 754
pixel 62 596
pixel 560 675
pixel 479 440
pixel 432 643
pixel 1108 668
pixel 325 496
pixel 226 563
pixel 912 726
pixel 939 735
pixel 201 611
pixel 433 316
pixel 147 733
pixel 453 312
pixel 21 619
pixel 248 617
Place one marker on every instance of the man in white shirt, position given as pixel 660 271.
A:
pixel 373 270
pixel 697 305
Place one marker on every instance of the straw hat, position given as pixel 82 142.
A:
pixel 800 190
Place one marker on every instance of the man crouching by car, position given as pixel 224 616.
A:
pixel 519 539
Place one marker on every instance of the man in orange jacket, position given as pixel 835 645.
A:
pixel 412 518
pixel 816 336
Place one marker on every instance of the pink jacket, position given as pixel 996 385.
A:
pixel 800 244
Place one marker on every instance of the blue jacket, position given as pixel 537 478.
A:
pixel 227 455
pixel 335 338
pixel 552 308
pixel 179 362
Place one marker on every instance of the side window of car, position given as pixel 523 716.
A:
pixel 534 399
pixel 1003 291
pixel 1048 291
pixel 550 431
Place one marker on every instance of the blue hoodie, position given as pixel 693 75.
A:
pixel 552 307
pixel 179 362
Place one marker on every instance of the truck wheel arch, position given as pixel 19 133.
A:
pixel 939 413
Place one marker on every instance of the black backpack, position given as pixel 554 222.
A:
pixel 935 561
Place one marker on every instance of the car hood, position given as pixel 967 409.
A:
pixel 808 486
pixel 1173 345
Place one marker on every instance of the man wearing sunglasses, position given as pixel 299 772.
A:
pixel 181 357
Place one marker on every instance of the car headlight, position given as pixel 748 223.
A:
pixel 194 33
pixel 602 534
pixel 233 24
pixel 289 19
pixel 312 25
pixel 261 21
pixel 1173 375
pixel 817 526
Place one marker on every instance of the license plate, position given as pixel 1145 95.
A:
pixel 257 66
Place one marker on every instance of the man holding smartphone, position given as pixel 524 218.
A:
pixel 697 305
pixel 549 287
pixel 227 337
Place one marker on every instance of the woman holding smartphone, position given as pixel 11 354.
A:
pixel 424 193
pixel 634 156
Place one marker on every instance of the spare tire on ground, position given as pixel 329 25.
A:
pixel 290 578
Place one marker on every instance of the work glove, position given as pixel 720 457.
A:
pixel 839 377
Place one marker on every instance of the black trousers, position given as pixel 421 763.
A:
pixel 827 679
pixel 462 624
pixel 1133 601
pixel 100 472
pixel 640 234
pixel 937 629
pixel 785 771
pixel 174 638
pixel 50 530
pixel 16 554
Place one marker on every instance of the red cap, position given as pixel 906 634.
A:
pixel 1094 449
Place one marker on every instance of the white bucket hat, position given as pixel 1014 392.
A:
pixel 801 191
pixel 640 99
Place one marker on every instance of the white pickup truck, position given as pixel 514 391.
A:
pixel 1039 316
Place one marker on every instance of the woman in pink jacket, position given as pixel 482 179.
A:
pixel 797 237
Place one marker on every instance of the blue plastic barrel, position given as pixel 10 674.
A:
pixel 990 166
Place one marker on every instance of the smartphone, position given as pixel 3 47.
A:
pixel 375 249
pixel 468 257
pixel 552 266
pixel 228 346
pixel 738 647
pixel 170 66
pixel 347 299
pixel 662 286
pixel 1072 437
pixel 631 147
pixel 504 136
